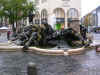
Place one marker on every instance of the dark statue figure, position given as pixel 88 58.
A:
pixel 35 35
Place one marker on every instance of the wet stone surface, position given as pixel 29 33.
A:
pixel 16 64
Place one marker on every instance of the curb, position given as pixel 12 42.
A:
pixel 76 51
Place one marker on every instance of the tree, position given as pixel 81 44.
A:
pixel 15 10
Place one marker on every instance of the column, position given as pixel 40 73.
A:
pixel 66 20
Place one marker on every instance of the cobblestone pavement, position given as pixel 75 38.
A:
pixel 16 64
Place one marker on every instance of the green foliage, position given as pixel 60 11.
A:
pixel 16 10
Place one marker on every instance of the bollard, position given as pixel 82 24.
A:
pixel 31 69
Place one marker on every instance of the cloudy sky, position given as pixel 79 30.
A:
pixel 89 5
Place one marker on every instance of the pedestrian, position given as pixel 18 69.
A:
pixel 8 35
pixel 90 37
pixel 83 32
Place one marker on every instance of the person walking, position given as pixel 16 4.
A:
pixel 8 35
pixel 83 32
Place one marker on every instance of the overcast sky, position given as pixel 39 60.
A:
pixel 89 5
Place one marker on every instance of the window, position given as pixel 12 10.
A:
pixel 37 1
pixel 73 13
pixel 43 1
pixel 60 15
pixel 44 16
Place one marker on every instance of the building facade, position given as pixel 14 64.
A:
pixel 97 16
pixel 92 18
pixel 64 10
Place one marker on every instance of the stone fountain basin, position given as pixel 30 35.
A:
pixel 12 48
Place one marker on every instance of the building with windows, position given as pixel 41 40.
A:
pixel 92 18
pixel 97 13
pixel 66 12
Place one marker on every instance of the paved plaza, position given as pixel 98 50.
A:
pixel 15 63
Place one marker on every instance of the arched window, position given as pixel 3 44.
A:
pixel 43 1
pixel 60 15
pixel 73 13
pixel 36 1
pixel 37 18
pixel 44 16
